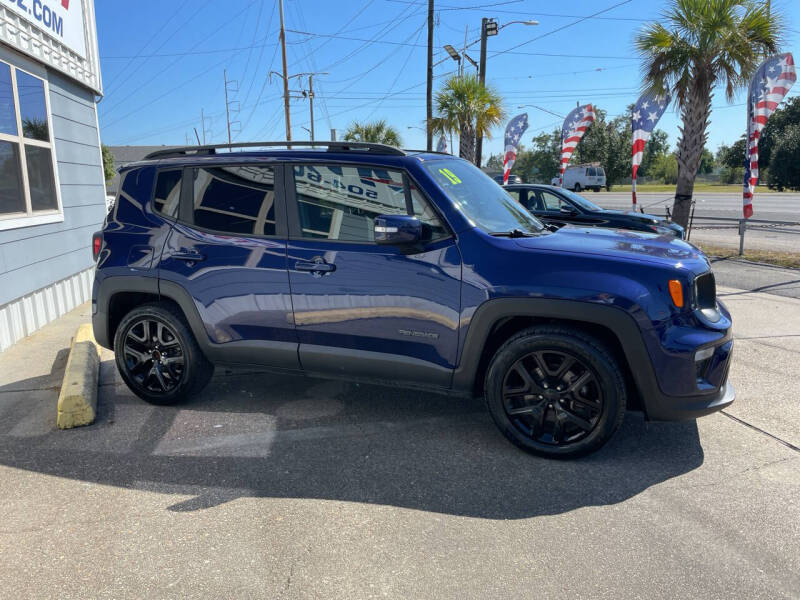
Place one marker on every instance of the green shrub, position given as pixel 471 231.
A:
pixel 784 165
pixel 731 175
pixel 665 169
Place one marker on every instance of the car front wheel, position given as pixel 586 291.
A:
pixel 555 391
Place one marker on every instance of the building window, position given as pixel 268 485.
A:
pixel 28 189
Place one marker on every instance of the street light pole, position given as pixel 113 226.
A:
pixel 429 90
pixel 489 27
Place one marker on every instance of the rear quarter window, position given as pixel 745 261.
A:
pixel 135 189
pixel 167 194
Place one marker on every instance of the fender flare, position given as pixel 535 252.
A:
pixel 615 319
pixel 106 289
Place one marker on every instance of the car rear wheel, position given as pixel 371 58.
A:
pixel 158 357
pixel 555 391
pixel 577 187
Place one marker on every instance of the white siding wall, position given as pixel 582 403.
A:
pixel 45 269
pixel 25 315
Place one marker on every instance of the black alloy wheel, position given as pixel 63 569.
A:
pixel 158 356
pixel 153 355
pixel 552 397
pixel 555 391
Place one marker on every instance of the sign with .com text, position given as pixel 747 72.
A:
pixel 60 19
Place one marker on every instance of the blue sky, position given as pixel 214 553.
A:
pixel 163 62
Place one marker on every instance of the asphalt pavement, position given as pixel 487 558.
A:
pixel 749 276
pixel 768 206
pixel 783 206
pixel 271 486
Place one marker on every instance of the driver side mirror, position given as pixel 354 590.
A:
pixel 397 230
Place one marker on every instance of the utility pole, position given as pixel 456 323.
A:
pixel 311 102
pixel 203 126
pixel 285 77
pixel 482 78
pixel 227 109
pixel 429 108
pixel 298 94
pixel 311 99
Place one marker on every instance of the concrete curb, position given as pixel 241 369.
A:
pixel 77 401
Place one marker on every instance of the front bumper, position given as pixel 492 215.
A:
pixel 667 408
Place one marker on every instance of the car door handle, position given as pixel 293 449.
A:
pixel 314 266
pixel 188 256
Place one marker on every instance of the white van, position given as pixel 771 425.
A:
pixel 583 177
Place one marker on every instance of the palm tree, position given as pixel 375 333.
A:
pixel 377 132
pixel 697 45
pixel 467 107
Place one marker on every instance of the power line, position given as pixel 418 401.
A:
pixel 355 39
pixel 195 52
pixel 342 28
pixel 260 56
pixel 448 7
pixel 557 29
pixel 399 73
pixel 173 63
pixel 253 41
pixel 152 37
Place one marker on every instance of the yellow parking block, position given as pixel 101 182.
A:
pixel 77 401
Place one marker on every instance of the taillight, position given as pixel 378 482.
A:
pixel 97 243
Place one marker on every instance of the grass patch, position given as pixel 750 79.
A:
pixel 771 257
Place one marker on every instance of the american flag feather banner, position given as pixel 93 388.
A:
pixel 646 112
pixel 575 125
pixel 442 145
pixel 770 84
pixel 514 130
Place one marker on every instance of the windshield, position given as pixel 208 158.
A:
pixel 485 204
pixel 580 200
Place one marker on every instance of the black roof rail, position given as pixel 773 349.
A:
pixel 415 151
pixel 332 147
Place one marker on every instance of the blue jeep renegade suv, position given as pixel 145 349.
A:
pixel 370 263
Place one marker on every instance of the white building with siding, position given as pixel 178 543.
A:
pixel 52 193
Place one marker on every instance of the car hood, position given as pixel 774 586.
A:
pixel 634 216
pixel 663 249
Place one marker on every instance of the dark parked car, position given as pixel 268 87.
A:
pixel 371 263
pixel 558 206
pixel 511 179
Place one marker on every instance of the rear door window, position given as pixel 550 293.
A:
pixel 237 199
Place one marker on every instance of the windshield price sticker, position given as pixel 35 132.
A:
pixel 451 177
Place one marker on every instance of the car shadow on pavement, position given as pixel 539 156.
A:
pixel 263 435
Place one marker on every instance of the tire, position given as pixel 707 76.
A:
pixel 158 357
pixel 577 187
pixel 545 421
pixel 596 189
